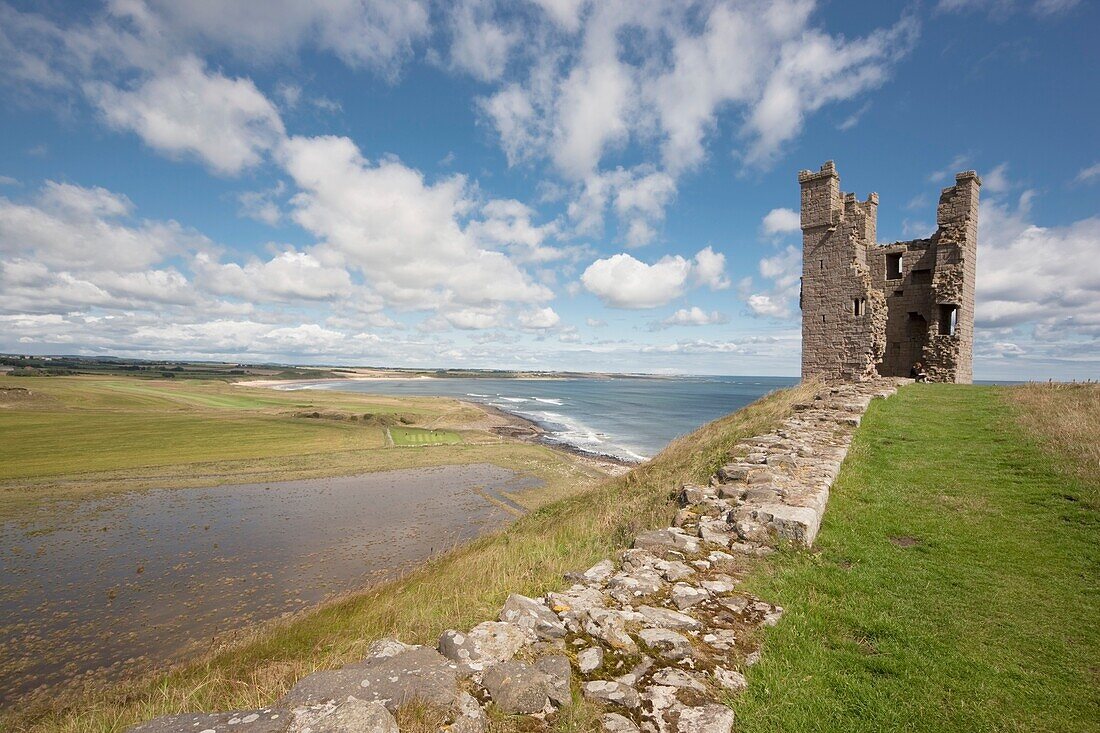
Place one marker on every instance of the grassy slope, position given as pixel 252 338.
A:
pixel 79 436
pixel 456 590
pixel 991 622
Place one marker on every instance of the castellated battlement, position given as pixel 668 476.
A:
pixel 875 310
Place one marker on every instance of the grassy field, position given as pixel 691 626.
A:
pixel 456 590
pixel 420 436
pixel 956 581
pixel 66 438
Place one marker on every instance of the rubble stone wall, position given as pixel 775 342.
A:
pixel 659 638
pixel 871 310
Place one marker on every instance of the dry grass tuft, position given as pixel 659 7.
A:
pixel 1066 419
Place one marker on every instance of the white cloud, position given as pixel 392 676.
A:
pixel 853 119
pixel 288 276
pixel 1090 174
pixel 72 227
pixel 947 173
pixel 783 271
pixel 188 111
pixel 1040 275
pixel 469 319
pixel 8 181
pixel 996 179
pixel 595 322
pixel 762 304
pixel 539 319
pixel 694 316
pixel 506 223
pixel 781 221
pixel 479 45
pixel 1001 8
pixel 403 234
pixel 710 269
pixel 377 34
pixel 565 13
pixel 815 69
pixel 591 117
pixel 621 281
pixel 262 205
pixel 664 71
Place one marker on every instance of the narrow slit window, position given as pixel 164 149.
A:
pixel 949 319
pixel 893 266
pixel 859 306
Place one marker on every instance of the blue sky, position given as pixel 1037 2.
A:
pixel 556 184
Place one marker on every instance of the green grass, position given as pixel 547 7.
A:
pixel 420 436
pixel 991 622
pixel 75 437
pixel 46 444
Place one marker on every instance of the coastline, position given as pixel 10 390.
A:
pixel 511 425
pixel 526 430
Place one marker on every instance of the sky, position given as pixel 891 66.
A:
pixel 541 184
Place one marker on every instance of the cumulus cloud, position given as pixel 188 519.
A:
pixel 710 269
pixel 659 74
pixel 1030 274
pixel 72 227
pixel 405 235
pixel 507 223
pixel 694 316
pixel 621 281
pixel 288 276
pixel 263 206
pixel 816 69
pixel 376 34
pixel 539 319
pixel 480 45
pixel 781 221
pixel 189 111
pixel 783 272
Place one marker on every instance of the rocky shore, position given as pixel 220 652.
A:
pixel 659 638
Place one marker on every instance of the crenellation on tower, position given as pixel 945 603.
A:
pixel 870 309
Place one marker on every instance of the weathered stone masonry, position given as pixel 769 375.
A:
pixel 660 638
pixel 871 310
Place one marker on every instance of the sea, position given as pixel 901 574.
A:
pixel 628 418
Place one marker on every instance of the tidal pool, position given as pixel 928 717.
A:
pixel 111 586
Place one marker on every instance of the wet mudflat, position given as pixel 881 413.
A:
pixel 107 587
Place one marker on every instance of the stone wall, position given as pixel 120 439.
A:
pixel 659 639
pixel 871 310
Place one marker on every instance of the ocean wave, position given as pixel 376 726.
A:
pixel 514 399
pixel 569 431
pixel 549 400
pixel 475 394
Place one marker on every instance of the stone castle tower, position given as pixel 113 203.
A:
pixel 871 310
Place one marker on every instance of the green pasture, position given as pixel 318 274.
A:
pixel 421 436
pixel 955 585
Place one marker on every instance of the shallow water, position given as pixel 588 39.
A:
pixel 131 581
pixel 625 417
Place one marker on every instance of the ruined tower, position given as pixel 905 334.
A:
pixel 872 310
